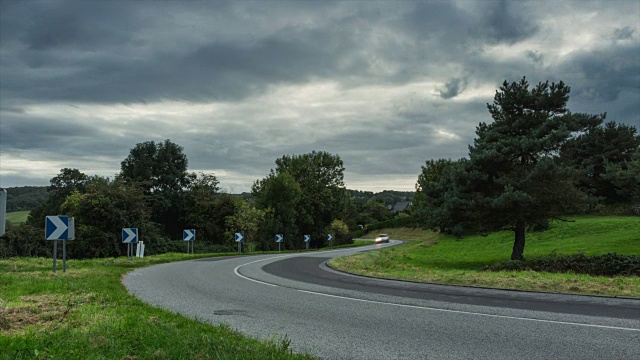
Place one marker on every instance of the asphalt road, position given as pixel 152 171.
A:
pixel 339 316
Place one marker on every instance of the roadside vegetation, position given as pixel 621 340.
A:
pixel 433 257
pixel 86 313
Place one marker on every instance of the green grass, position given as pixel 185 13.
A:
pixel 431 257
pixel 18 217
pixel 86 313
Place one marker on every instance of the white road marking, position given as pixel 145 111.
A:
pixel 420 307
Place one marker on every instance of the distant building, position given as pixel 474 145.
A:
pixel 401 206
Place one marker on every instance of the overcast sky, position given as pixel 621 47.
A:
pixel 386 85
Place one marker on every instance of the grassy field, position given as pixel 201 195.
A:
pixel 431 257
pixel 18 217
pixel 86 313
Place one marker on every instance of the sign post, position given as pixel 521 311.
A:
pixel 56 228
pixel 330 238
pixel 307 240
pixel 129 237
pixel 189 236
pixel 279 240
pixel 240 240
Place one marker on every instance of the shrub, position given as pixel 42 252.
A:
pixel 601 265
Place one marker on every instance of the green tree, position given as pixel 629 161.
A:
pixel 596 150
pixel 281 194
pixel 519 181
pixel 62 185
pixel 160 169
pixel 340 233
pixel 245 219
pixel 102 211
pixel 157 166
pixel 319 198
pixel 206 209
pixel 443 199
pixel 625 177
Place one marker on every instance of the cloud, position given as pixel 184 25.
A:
pixel 386 85
pixel 452 88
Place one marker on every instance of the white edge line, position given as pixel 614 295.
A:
pixel 423 307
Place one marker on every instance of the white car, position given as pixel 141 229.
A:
pixel 382 238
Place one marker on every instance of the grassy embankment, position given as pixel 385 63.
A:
pixel 86 313
pixel 431 257
pixel 18 217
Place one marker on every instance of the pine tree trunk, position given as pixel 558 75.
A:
pixel 518 244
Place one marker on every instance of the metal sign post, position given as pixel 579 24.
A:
pixel 59 228
pixel 307 240
pixel 279 240
pixel 239 240
pixel 189 235
pixel 330 238
pixel 129 237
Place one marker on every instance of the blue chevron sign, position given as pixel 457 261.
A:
pixel 279 238
pixel 189 235
pixel 240 237
pixel 307 238
pixel 57 227
pixel 129 235
pixel 329 237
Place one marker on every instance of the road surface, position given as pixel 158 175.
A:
pixel 339 316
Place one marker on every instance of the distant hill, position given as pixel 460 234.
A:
pixel 25 198
pixel 389 197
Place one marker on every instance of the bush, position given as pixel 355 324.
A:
pixel 602 265
pixel 400 221
pixel 340 233
pixel 24 240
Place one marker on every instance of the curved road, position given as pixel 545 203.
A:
pixel 339 316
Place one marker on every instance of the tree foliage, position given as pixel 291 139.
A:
pixel 160 169
pixel 443 201
pixel 62 185
pixel 521 183
pixel 304 193
pixel 513 178
pixel 157 166
pixel 102 211
pixel 599 148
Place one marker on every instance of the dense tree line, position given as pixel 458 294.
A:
pixel 535 162
pixel 155 192
pixel 25 197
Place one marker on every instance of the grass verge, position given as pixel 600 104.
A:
pixel 86 313
pixel 431 257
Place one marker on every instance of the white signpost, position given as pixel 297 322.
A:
pixel 140 249
pixel 279 240
pixel 189 235
pixel 307 240
pixel 3 210
pixel 330 238
pixel 60 227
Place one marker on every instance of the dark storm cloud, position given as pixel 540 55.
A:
pixel 452 88
pixel 97 52
pixel 408 81
pixel 504 21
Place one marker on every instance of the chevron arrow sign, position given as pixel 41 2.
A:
pixel 189 235
pixel 129 235
pixel 57 227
